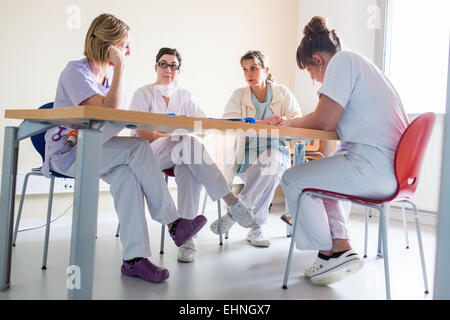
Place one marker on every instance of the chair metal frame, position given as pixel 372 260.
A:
pixel 421 131
pixel 37 172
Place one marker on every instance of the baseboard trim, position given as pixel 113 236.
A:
pixel 425 217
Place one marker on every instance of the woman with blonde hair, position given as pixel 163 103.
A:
pixel 127 163
pixel 259 161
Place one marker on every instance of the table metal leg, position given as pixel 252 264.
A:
pixel 9 171
pixel 84 223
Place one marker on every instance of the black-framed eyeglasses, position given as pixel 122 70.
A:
pixel 165 65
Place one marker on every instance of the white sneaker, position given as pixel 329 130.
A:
pixel 242 214
pixel 256 237
pixel 324 272
pixel 226 222
pixel 186 252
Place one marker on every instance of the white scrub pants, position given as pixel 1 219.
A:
pixel 129 166
pixel 260 182
pixel 193 168
pixel 363 171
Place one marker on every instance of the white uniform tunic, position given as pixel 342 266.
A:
pixel 127 164
pixel 189 175
pixel 262 177
pixel 371 125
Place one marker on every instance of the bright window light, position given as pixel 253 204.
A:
pixel 417 53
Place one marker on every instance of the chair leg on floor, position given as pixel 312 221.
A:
pixel 288 231
pixel 384 241
pixel 405 227
pixel 19 212
pixel 366 233
pixel 419 240
pixel 220 223
pixel 163 229
pixel 47 226
pixel 291 247
pixel 118 230
pixel 380 249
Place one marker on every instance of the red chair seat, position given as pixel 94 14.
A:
pixel 169 172
pixel 347 196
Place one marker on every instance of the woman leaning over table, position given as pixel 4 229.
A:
pixel 125 160
pixel 360 103
pixel 260 161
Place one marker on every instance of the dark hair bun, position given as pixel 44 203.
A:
pixel 315 26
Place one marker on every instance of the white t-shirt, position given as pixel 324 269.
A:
pixel 181 102
pixel 373 112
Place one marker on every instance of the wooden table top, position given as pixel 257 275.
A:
pixel 161 122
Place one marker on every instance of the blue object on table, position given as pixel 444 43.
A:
pixel 248 120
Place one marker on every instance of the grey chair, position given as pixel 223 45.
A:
pixel 38 142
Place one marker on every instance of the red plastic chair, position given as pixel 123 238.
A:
pixel 407 165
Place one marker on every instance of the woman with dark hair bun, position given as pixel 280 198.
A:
pixel 360 103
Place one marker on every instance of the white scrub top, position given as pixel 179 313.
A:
pixel 373 112
pixel 181 102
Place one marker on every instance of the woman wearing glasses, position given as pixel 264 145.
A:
pixel 165 96
pixel 125 160
pixel 258 162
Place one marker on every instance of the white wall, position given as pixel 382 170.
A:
pixel 357 23
pixel 39 38
pixel 211 36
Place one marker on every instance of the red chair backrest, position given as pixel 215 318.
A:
pixel 410 153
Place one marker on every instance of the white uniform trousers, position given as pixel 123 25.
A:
pixel 260 182
pixel 363 171
pixel 193 168
pixel 131 169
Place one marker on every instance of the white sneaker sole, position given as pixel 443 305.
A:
pixel 185 260
pixel 262 244
pixel 186 257
pixel 225 225
pixel 337 273
pixel 243 217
